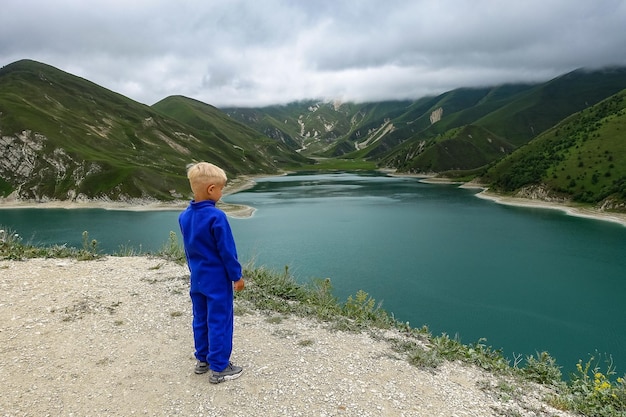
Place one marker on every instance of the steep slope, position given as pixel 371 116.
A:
pixel 369 130
pixel 410 135
pixel 63 137
pixel 429 120
pixel 583 159
pixel 547 104
pixel 459 149
pixel 213 122
pixel 319 128
pixel 513 114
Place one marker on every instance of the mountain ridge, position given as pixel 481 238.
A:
pixel 63 137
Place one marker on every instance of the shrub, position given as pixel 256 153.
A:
pixel 10 245
pixel 542 369
pixel 364 310
pixel 594 392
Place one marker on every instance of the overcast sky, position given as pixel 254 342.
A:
pixel 261 52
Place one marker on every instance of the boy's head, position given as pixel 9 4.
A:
pixel 207 181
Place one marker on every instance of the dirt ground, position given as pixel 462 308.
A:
pixel 112 337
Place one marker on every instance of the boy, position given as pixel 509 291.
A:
pixel 214 267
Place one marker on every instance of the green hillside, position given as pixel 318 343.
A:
pixel 377 127
pixel 212 122
pixel 426 122
pixel 459 149
pixel 64 137
pixel 421 135
pixel 371 130
pixel 547 104
pixel 313 127
pixel 583 158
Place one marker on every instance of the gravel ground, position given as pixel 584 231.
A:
pixel 113 337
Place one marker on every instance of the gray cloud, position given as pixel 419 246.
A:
pixel 247 52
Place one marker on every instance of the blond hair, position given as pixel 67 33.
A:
pixel 204 173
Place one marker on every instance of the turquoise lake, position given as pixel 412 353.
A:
pixel 527 280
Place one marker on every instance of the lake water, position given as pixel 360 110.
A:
pixel 527 280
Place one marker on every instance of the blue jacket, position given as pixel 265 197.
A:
pixel 209 247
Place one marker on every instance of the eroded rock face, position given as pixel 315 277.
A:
pixel 27 165
pixel 18 154
pixel 610 204
pixel 435 116
pixel 543 193
pixel 540 192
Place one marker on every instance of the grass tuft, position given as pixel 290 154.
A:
pixel 172 250
pixel 12 247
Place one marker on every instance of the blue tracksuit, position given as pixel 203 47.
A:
pixel 213 264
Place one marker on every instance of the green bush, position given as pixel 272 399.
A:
pixel 542 369
pixel 594 392
pixel 10 245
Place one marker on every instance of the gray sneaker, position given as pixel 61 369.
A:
pixel 231 372
pixel 201 367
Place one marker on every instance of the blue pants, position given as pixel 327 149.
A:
pixel 213 328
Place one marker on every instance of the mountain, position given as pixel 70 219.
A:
pixel 582 159
pixel 63 137
pixel 212 122
pixel 327 129
pixel 562 139
pixel 370 130
pixel 457 132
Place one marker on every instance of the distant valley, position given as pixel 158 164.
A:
pixel 63 137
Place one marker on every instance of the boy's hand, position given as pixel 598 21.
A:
pixel 239 284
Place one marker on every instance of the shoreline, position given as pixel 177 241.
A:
pixel 580 211
pixel 246 182
pixel 583 212
pixel 234 210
